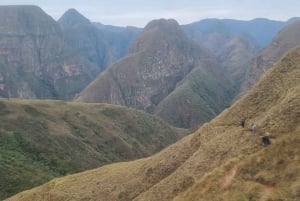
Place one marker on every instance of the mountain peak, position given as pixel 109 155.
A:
pixel 72 18
pixel 162 23
pixel 159 34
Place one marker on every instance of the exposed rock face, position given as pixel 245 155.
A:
pixel 286 39
pixel 158 62
pixel 34 60
pixel 99 44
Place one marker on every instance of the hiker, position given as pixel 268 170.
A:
pixel 243 121
pixel 253 127
pixel 265 139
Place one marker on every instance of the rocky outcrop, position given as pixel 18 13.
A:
pixel 158 60
pixel 34 60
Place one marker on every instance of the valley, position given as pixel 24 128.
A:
pixel 100 112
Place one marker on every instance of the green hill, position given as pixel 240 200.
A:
pixel 40 140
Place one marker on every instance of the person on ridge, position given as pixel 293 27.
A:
pixel 243 121
pixel 265 139
pixel 253 127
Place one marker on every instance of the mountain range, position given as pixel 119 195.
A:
pixel 221 161
pixel 163 63
pixel 184 75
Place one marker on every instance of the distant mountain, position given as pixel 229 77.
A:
pixel 260 30
pixel 40 140
pixel 158 63
pixel 220 161
pixel 101 45
pixel 234 42
pixel 34 60
pixel 286 39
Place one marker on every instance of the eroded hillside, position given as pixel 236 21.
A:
pixel 162 61
pixel 204 158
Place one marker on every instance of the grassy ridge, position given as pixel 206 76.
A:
pixel 271 174
pixel 40 140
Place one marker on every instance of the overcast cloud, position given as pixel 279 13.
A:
pixel 140 12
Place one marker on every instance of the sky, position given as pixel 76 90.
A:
pixel 139 12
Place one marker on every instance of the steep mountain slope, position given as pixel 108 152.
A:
pixel 199 97
pixel 159 58
pixel 199 162
pixel 159 61
pixel 286 39
pixel 101 45
pixel 40 140
pixel 233 42
pixel 34 60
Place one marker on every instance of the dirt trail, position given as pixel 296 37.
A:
pixel 266 192
pixel 230 176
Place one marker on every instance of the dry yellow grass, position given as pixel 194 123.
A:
pixel 195 167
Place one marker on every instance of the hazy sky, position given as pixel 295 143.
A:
pixel 140 12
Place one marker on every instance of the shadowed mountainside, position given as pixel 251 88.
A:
pixel 206 163
pixel 161 60
pixel 40 140
pixel 233 42
pixel 285 40
pixel 101 45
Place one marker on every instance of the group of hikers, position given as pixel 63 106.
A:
pixel 265 138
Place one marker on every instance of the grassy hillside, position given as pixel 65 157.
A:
pixel 40 140
pixel 271 174
pixel 220 148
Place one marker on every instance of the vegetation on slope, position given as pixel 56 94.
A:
pixel 40 140
pixel 271 174
pixel 198 98
pixel 165 73
pixel 273 104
